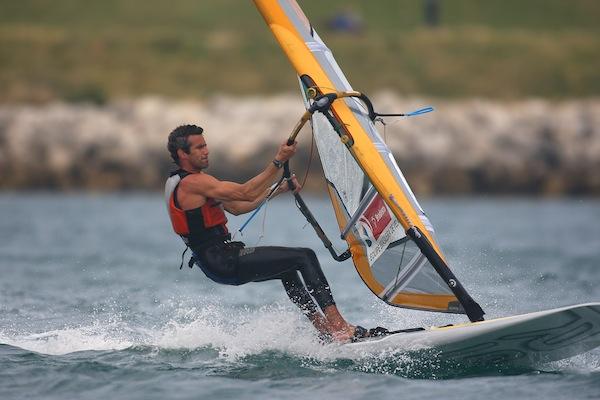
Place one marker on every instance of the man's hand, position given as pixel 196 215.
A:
pixel 284 187
pixel 286 152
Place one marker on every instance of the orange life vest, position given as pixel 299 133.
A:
pixel 198 226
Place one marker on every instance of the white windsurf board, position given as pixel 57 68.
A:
pixel 526 339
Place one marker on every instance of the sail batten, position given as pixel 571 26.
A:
pixel 391 240
pixel 366 199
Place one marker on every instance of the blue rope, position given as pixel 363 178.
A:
pixel 420 111
pixel 256 210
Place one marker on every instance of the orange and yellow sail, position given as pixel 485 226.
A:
pixel 374 206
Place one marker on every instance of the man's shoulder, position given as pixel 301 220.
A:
pixel 197 178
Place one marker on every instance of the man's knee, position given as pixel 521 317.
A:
pixel 309 258
pixel 310 253
pixel 290 278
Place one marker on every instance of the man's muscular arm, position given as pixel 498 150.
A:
pixel 252 191
pixel 242 207
pixel 237 207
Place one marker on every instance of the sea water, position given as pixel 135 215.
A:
pixel 93 303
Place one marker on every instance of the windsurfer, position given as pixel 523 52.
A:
pixel 196 201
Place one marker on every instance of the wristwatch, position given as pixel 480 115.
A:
pixel 277 163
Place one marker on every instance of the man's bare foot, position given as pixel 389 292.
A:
pixel 343 335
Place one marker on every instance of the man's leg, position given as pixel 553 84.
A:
pixel 256 264
pixel 339 329
pixel 315 280
pixel 297 292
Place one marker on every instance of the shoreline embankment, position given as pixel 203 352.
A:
pixel 526 147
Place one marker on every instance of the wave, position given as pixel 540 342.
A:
pixel 270 342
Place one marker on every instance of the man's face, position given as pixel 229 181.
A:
pixel 198 156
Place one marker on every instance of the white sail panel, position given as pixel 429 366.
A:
pixel 393 268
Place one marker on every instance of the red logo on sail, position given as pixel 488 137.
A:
pixel 376 217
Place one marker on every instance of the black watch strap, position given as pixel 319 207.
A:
pixel 277 163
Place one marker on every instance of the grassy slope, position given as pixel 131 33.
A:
pixel 189 48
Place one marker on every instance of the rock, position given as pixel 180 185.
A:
pixel 467 146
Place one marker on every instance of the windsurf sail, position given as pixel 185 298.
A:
pixel 391 241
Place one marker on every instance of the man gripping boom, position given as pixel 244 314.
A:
pixel 196 201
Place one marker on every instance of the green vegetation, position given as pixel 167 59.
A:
pixel 95 51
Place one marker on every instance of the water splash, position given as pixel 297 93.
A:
pixel 251 343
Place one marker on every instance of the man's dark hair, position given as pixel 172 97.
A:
pixel 178 139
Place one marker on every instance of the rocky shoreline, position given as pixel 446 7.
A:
pixel 533 147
